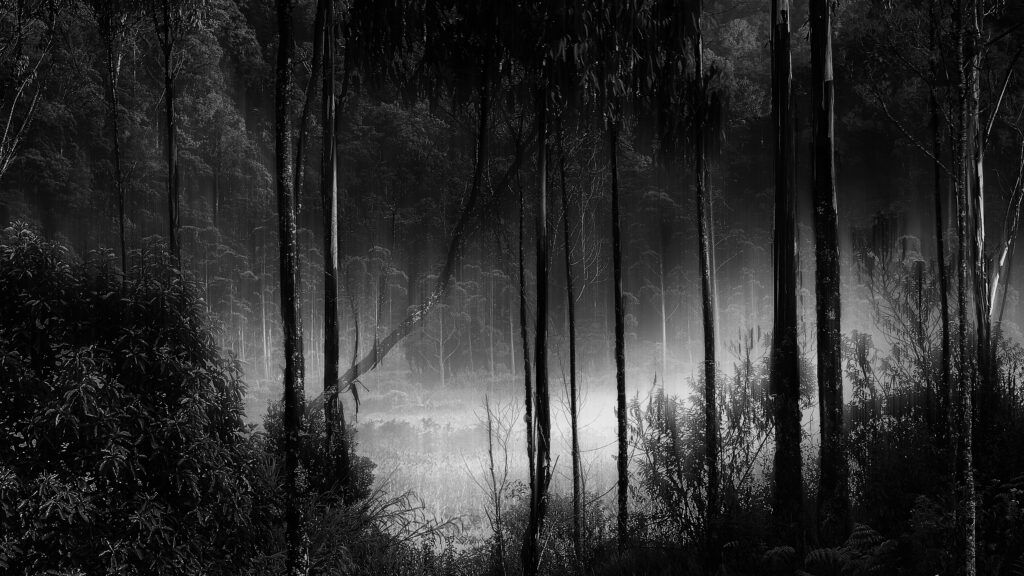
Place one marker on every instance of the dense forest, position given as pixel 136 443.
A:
pixel 459 287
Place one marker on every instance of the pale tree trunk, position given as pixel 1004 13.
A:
pixel 329 199
pixel 834 483
pixel 293 372
pixel 542 475
pixel 785 359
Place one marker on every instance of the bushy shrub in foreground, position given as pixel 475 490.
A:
pixel 120 421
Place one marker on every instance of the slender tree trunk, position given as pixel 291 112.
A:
pixel 940 228
pixel 834 483
pixel 964 548
pixel 570 295
pixel 542 475
pixel 496 492
pixel 705 240
pixel 293 372
pixel 329 199
pixel 985 392
pixel 525 335
pixel 620 337
pixel 113 74
pixel 785 359
pixel 173 181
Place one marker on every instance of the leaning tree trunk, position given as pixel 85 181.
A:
pixel 329 198
pixel 706 262
pixel 834 483
pixel 785 360
pixel 570 295
pixel 542 474
pixel 293 370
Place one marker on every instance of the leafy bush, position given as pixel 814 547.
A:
pixel 120 421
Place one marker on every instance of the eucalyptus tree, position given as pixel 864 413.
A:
pixel 293 370
pixel 834 483
pixel 172 21
pixel 114 19
pixel 329 200
pixel 785 360
pixel 705 246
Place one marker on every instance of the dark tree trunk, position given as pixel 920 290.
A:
pixel 834 484
pixel 167 41
pixel 785 359
pixel 542 405
pixel 620 338
pixel 705 239
pixel 964 538
pixel 525 335
pixel 940 229
pixel 110 34
pixel 293 371
pixel 570 295
pixel 329 198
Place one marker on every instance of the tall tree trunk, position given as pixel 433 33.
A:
pixel 524 334
pixel 975 136
pixel 940 227
pixel 834 483
pixel 329 198
pixel 542 463
pixel 570 295
pixel 173 182
pixel 705 239
pixel 111 34
pixel 293 371
pixel 785 359
pixel 620 336
pixel 964 549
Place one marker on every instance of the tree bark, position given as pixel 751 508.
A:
pixel 570 295
pixel 173 183
pixel 705 241
pixel 293 372
pixel 620 338
pixel 542 475
pixel 964 538
pixel 785 359
pixel 834 483
pixel 524 334
pixel 940 229
pixel 329 198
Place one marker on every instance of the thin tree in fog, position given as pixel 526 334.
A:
pixel 541 394
pixel 705 245
pixel 785 359
pixel 293 370
pixel 834 483
pixel 329 199
pixel 570 296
